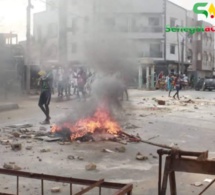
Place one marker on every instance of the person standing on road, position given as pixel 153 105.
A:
pixel 81 81
pixel 177 86
pixel 169 84
pixel 46 84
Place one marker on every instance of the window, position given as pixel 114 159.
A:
pixel 155 50
pixel 199 37
pixel 110 23
pixel 74 25
pixel 74 48
pixel 52 30
pixel 154 21
pixel 172 22
pixel 199 56
pixel 172 49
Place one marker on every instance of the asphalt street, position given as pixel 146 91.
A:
pixel 190 126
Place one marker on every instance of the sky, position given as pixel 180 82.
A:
pixel 13 14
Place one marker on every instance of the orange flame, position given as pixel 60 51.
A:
pixel 101 121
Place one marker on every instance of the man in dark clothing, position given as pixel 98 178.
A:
pixel 45 95
pixel 81 81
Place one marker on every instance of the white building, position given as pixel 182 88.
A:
pixel 71 24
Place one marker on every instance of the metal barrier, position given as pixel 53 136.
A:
pixel 123 189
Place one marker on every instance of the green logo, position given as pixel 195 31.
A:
pixel 200 8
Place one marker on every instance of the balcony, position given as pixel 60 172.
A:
pixel 150 54
pixel 147 29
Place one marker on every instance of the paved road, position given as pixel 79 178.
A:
pixel 191 126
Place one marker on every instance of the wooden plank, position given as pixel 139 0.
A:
pixel 98 183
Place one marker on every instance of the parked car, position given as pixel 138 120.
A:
pixel 207 83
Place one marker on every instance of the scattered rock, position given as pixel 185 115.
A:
pixel 28 148
pixel 80 158
pixel 8 166
pixel 16 168
pixel 64 143
pixel 124 142
pixel 55 190
pixel 195 107
pixel 190 101
pixel 197 184
pixel 91 167
pixel 45 150
pixel 16 147
pixel 5 142
pixel 130 126
pixel 139 156
pixel 42 128
pixel 11 166
pixel 161 102
pixel 121 149
pixel 151 123
pixel 25 136
pixel 107 150
pixel 141 115
pixel 40 134
pixel 70 157
pixel 16 134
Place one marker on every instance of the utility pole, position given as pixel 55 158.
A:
pixel 63 43
pixel 178 69
pixel 28 47
pixel 182 56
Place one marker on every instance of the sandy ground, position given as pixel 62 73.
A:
pixel 189 125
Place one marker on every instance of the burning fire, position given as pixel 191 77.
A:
pixel 100 122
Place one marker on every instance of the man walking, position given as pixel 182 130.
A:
pixel 46 83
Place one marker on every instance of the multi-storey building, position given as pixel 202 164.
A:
pixel 69 24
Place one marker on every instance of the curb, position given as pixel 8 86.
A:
pixel 8 107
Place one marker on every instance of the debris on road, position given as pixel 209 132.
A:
pixel 16 134
pixel 197 184
pixel 130 126
pixel 28 148
pixel 16 146
pixel 25 125
pixel 139 156
pixel 5 142
pixel 55 190
pixel 45 150
pixel 208 180
pixel 161 102
pixel 121 149
pixel 43 128
pixel 189 101
pixel 195 107
pixel 48 139
pixel 156 136
pixel 70 157
pixel 11 166
pixel 107 151
pixel 91 167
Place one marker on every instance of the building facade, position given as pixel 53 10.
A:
pixel 68 25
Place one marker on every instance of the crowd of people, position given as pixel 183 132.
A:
pixel 64 80
pixel 173 82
